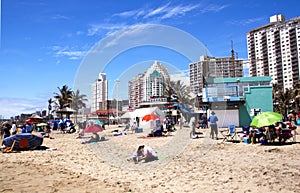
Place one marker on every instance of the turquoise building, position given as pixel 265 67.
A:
pixel 237 100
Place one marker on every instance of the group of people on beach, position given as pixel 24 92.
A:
pixel 7 129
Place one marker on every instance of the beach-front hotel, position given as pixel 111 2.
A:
pixel 274 50
pixel 99 93
pixel 148 87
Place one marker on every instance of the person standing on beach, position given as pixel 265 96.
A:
pixel 14 128
pixel 213 125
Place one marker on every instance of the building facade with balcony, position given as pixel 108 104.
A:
pixel 136 90
pixel 237 100
pixel 147 89
pixel 216 67
pixel 99 93
pixel 154 81
pixel 274 50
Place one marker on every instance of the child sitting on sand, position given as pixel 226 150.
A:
pixel 145 153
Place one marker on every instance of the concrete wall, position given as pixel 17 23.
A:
pixel 256 98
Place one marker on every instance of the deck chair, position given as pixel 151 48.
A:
pixel 230 134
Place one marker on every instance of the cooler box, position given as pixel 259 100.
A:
pixel 139 130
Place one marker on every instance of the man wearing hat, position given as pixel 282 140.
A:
pixel 213 125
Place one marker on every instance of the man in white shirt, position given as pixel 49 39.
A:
pixel 14 128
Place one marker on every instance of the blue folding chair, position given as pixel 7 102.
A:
pixel 230 134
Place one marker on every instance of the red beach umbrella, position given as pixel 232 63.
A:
pixel 93 129
pixel 150 117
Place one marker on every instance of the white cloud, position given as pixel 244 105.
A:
pixel 65 51
pixel 150 15
pixel 213 8
pixel 130 31
pixel 169 10
pixel 157 11
pixel 11 107
pixel 79 33
pixel 247 21
pixel 58 16
pixel 70 53
pixel 100 28
pixel 179 10
pixel 182 77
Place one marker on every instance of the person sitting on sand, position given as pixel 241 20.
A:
pixel 46 133
pixel 94 138
pixel 27 128
pixel 80 135
pixel 145 153
pixel 157 131
pixel 255 134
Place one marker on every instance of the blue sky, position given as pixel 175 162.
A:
pixel 45 43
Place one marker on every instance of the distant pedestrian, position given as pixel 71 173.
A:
pixel 213 125
pixel 204 121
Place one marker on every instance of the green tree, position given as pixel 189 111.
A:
pixel 180 91
pixel 176 92
pixel 282 100
pixel 50 102
pixel 63 98
pixel 78 102
pixel 296 96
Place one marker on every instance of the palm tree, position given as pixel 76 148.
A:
pixel 282 100
pixel 50 101
pixel 168 90
pixel 78 102
pixel 181 92
pixel 296 95
pixel 176 91
pixel 64 97
pixel 277 93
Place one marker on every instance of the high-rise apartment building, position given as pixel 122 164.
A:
pixel 148 86
pixel 99 93
pixel 274 50
pixel 154 81
pixel 136 90
pixel 221 67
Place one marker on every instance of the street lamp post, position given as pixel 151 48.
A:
pixel 117 105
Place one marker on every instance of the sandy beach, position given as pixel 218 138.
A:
pixel 185 165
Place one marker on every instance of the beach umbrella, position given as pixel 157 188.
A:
pixel 93 129
pixel 99 122
pixel 266 119
pixel 35 116
pixel 32 120
pixel 42 124
pixel 150 117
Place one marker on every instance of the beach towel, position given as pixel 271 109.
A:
pixel 149 137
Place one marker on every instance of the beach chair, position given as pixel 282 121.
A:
pixel 230 134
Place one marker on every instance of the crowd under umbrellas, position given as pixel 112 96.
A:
pixel 268 126
pixel 268 123
pixel 20 137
